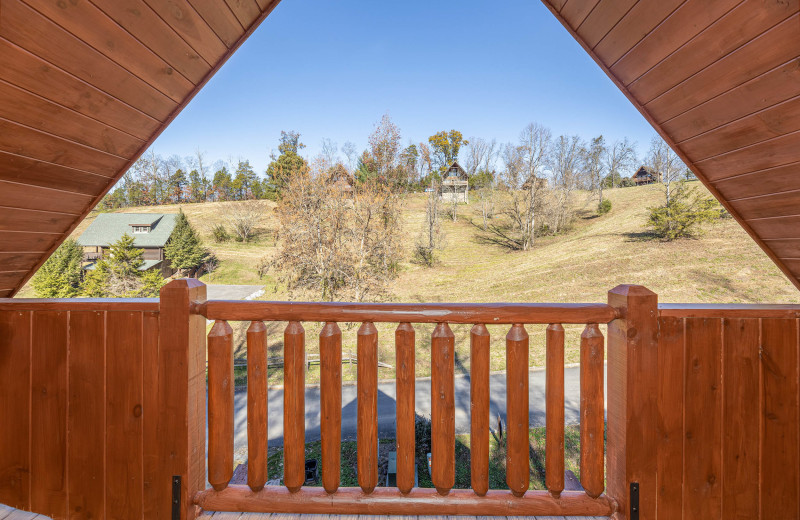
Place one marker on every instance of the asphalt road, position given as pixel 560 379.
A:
pixel 231 292
pixel 386 406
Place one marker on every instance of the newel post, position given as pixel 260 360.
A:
pixel 632 404
pixel 181 425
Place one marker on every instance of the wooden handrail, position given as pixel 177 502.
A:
pixel 735 310
pixel 80 304
pixel 465 313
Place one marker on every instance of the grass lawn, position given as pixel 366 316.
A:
pixel 497 474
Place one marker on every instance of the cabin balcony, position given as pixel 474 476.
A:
pixel 107 410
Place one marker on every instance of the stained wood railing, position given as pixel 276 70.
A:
pixel 404 499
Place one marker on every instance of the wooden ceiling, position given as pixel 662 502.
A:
pixel 720 81
pixel 85 87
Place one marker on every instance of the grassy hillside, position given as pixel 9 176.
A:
pixel 722 266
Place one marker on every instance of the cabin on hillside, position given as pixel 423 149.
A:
pixel 455 184
pixel 541 182
pixel 341 179
pixel 646 175
pixel 150 232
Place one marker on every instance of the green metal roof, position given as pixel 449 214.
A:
pixel 107 228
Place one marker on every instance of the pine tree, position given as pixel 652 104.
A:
pixel 117 274
pixel 184 249
pixel 683 213
pixel 60 276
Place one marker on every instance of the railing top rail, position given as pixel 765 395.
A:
pixel 735 310
pixel 469 313
pixel 79 304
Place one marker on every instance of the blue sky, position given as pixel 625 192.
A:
pixel 332 68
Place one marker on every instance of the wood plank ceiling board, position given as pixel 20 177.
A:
pixel 720 82
pixel 85 87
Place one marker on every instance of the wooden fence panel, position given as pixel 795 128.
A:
pixel 15 396
pixel 150 461
pixel 741 406
pixel 670 417
pixel 124 432
pixel 49 413
pixel 779 420
pixel 87 414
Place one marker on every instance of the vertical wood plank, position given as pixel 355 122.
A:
pixel 86 421
pixel 15 401
pixel 220 405
pixel 443 419
pixel 554 409
pixel 367 406
pixel 404 340
pixel 479 406
pixel 330 351
pixel 257 413
pixel 779 444
pixel 181 398
pixel 124 432
pixel 740 366
pixel 517 415
pixel 671 373
pixel 49 413
pixel 151 462
pixel 702 485
pixel 592 411
pixel 633 397
pixel 294 406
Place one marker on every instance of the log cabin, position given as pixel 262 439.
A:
pixel 105 403
pixel 455 184
pixel 646 175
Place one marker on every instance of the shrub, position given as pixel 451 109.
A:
pixel 604 207
pixel 683 213
pixel 220 234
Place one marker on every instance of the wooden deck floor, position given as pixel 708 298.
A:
pixel 8 513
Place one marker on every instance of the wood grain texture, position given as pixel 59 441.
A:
pixel 554 409
pixel 517 420
pixel 779 421
pixel 469 313
pixel 26 196
pixel 404 340
pixel 602 19
pixel 124 498
pixel 389 501
pixel 24 170
pixel 783 204
pixel 15 219
pixel 48 464
pixel 15 401
pixel 740 366
pixel 220 405
pixel 479 408
pixel 152 482
pixel 592 411
pixel 330 351
pixel 220 19
pixel 184 20
pixel 776 152
pixel 86 419
pixel 20 241
pixel 294 407
pixel 770 181
pixel 257 412
pixel 671 398
pixel 443 419
pixel 367 388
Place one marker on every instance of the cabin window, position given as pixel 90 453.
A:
pixel 141 229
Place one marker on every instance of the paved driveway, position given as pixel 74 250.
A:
pixel 232 292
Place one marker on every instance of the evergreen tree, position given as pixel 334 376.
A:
pixel 117 274
pixel 683 213
pixel 60 276
pixel 287 164
pixel 184 250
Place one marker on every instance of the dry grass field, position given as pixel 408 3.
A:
pixel 722 266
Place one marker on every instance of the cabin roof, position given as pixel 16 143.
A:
pixel 719 81
pixel 107 228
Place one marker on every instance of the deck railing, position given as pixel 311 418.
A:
pixel 369 498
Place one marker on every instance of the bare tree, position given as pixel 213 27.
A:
pixel 535 142
pixel 349 151
pixel 595 166
pixel 514 163
pixel 565 164
pixel 619 158
pixel 329 153
pixel 431 237
pixel 384 144
pixel 480 155
pixel 666 165
pixel 244 217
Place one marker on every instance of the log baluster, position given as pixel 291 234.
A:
pixel 220 405
pixel 443 422
pixel 257 431
pixel 404 337
pixel 554 410
pixel 592 409
pixel 330 353
pixel 367 409
pixel 294 419
pixel 479 405
pixel 517 436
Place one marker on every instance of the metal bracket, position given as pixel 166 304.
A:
pixel 176 497
pixel 634 501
